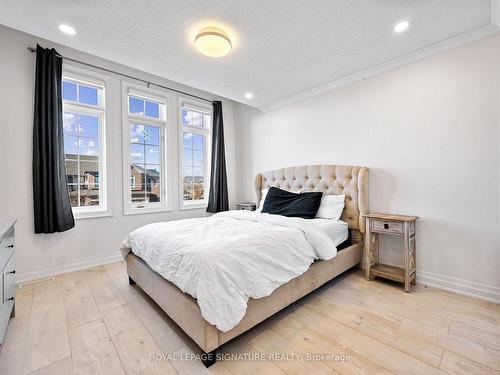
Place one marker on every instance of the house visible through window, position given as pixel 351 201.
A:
pixel 195 125
pixel 83 115
pixel 146 163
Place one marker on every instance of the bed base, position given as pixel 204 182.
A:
pixel 184 310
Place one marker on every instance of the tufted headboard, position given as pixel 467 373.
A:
pixel 349 180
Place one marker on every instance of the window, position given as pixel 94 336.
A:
pixel 144 171
pixel 195 130
pixel 84 146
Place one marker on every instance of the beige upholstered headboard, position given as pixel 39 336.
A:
pixel 349 180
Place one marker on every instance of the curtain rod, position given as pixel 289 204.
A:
pixel 31 49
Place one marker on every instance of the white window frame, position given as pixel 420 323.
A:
pixel 91 78
pixel 157 96
pixel 205 108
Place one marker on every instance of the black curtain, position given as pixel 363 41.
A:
pixel 52 207
pixel 218 199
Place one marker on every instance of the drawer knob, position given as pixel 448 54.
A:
pixel 11 272
pixel 10 246
pixel 10 299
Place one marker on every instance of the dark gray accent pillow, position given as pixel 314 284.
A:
pixel 282 202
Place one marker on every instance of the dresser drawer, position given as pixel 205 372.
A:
pixel 6 248
pixel 8 240
pixel 5 312
pixel 386 226
pixel 9 280
pixel 7 276
pixel 2 295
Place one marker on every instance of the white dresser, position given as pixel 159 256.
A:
pixel 7 273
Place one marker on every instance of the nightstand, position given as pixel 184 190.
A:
pixel 396 225
pixel 248 206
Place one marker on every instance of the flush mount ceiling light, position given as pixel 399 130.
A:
pixel 249 95
pixel 401 26
pixel 66 29
pixel 213 42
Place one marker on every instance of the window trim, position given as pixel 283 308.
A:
pixel 203 107
pixel 143 92
pixel 91 78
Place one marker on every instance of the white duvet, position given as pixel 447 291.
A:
pixel 225 259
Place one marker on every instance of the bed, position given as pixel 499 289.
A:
pixel 352 181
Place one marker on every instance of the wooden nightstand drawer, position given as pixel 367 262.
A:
pixel 247 206
pixel 386 226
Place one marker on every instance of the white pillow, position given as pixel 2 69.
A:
pixel 331 207
pixel 261 203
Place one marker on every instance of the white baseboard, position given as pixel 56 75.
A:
pixel 460 286
pixel 49 272
pixel 452 284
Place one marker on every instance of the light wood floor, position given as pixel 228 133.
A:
pixel 93 322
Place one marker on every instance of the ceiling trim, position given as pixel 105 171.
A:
pixel 417 55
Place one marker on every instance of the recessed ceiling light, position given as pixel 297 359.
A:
pixel 213 42
pixel 66 29
pixel 249 95
pixel 401 26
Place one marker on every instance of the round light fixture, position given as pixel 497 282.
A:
pixel 401 26
pixel 66 29
pixel 213 42
pixel 249 95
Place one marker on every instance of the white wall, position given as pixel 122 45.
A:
pixel 429 134
pixel 92 241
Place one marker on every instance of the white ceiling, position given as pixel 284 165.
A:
pixel 280 48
